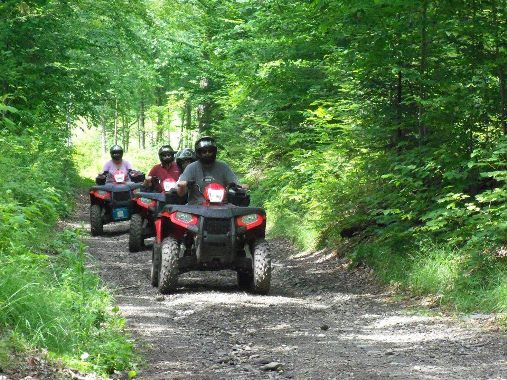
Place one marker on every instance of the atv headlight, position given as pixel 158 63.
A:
pixel 184 217
pixel 250 218
pixel 249 221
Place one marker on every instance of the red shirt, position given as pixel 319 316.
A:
pixel 163 173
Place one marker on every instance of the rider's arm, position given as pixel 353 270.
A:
pixel 147 180
pixel 181 188
pixel 188 175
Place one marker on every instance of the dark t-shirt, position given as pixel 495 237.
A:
pixel 218 172
pixel 163 173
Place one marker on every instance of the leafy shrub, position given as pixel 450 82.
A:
pixel 48 299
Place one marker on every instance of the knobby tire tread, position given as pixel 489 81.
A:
pixel 155 264
pixel 169 270
pixel 261 268
pixel 136 233
pixel 96 225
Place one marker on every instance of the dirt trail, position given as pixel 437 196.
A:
pixel 319 322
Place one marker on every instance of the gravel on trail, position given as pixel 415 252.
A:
pixel 320 321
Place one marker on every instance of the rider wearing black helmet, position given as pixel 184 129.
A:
pixel 205 170
pixel 184 158
pixel 166 169
pixel 117 163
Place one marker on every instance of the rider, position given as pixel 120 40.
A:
pixel 116 163
pixel 205 170
pixel 166 169
pixel 184 158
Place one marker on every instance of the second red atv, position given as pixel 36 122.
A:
pixel 146 206
pixel 220 234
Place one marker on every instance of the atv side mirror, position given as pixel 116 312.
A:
pixel 100 179
pixel 136 176
pixel 155 180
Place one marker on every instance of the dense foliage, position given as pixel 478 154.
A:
pixel 54 69
pixel 47 297
pixel 380 123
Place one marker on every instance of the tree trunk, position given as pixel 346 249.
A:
pixel 104 135
pixel 116 122
pixel 127 138
pixel 159 115
pixel 422 69
pixel 182 128
pixel 68 121
pixel 138 132
pixel 124 128
pixel 399 113
pixel 500 69
pixel 503 108
pixel 188 122
pixel 142 131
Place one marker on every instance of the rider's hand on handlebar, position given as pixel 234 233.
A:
pixel 147 182
pixel 235 186
pixel 182 187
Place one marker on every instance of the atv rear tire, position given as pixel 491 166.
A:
pixel 96 225
pixel 155 264
pixel 261 267
pixel 136 234
pixel 168 277
pixel 245 279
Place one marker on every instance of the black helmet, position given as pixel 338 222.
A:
pixel 166 154
pixel 186 154
pixel 116 152
pixel 206 149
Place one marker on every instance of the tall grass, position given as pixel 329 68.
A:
pixel 48 297
pixel 54 302
pixel 466 278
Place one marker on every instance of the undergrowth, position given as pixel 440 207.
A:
pixel 422 227
pixel 464 279
pixel 49 300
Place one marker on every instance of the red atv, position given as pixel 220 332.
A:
pixel 146 206
pixel 220 234
pixel 111 199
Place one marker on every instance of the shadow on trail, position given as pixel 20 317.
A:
pixel 115 232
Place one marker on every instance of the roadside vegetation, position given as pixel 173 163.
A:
pixel 376 128
pixel 48 297
pixel 51 302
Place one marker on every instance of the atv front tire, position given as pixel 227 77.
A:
pixel 96 225
pixel 136 234
pixel 155 264
pixel 261 268
pixel 168 277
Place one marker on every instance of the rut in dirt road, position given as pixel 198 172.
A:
pixel 320 321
